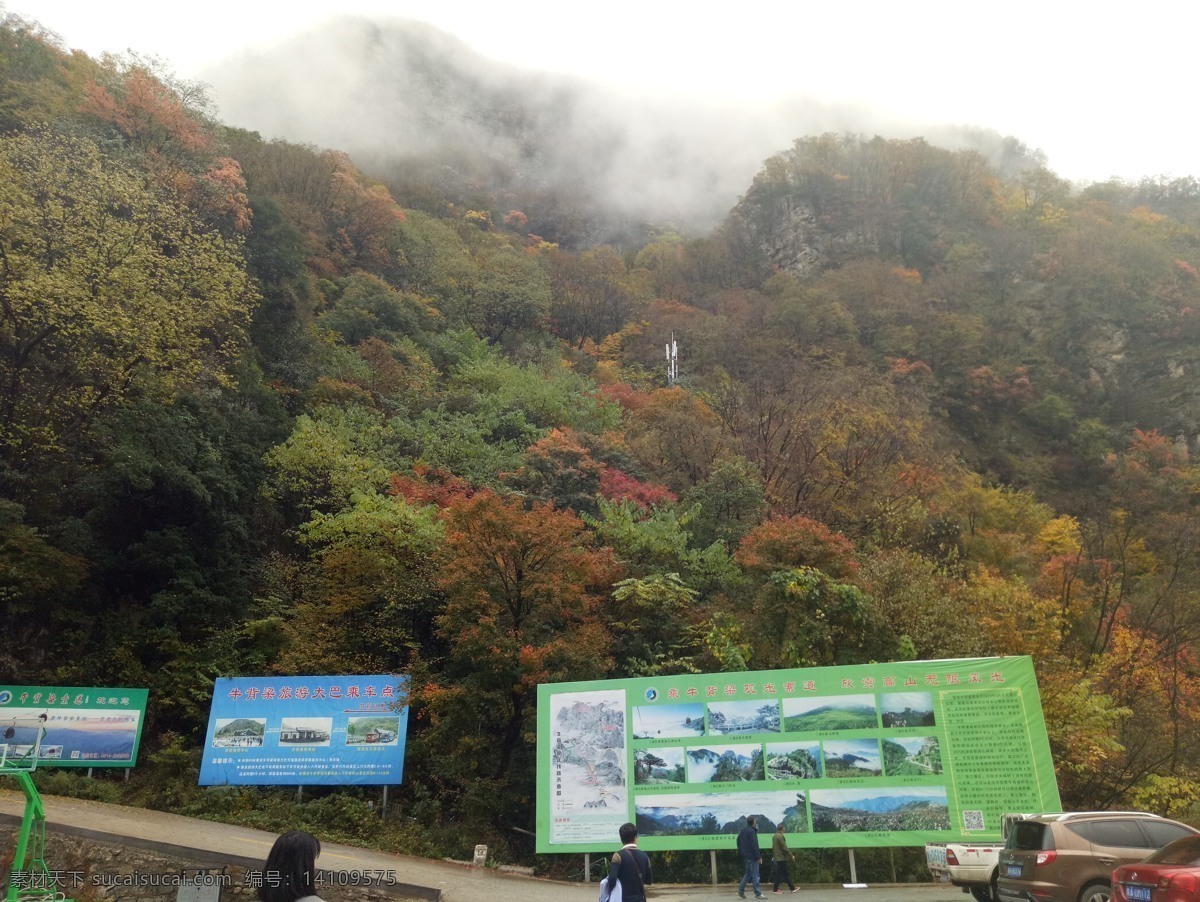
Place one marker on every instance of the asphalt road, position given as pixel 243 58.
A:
pixel 454 882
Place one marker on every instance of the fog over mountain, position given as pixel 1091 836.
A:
pixel 414 104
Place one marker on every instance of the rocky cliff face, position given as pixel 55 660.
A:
pixel 793 238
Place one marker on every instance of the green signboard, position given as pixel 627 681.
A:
pixel 867 755
pixel 78 727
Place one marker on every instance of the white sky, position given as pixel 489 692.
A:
pixel 1103 89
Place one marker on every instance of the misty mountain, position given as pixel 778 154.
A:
pixel 883 804
pixel 438 122
pixel 849 759
pixel 674 819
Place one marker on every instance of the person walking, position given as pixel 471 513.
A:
pixel 631 866
pixel 747 843
pixel 780 853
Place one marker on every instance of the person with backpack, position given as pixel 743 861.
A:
pixel 630 866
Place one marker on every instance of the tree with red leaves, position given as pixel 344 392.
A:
pixel 523 591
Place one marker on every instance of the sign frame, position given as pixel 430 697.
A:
pixel 83 726
pixel 306 731
pixel 870 755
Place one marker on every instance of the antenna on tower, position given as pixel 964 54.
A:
pixel 672 361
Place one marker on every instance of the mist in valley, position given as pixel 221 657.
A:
pixel 416 107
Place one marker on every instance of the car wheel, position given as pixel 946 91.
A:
pixel 982 894
pixel 1096 892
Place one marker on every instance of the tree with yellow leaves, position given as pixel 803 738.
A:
pixel 107 286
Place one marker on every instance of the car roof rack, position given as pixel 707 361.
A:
pixel 1068 815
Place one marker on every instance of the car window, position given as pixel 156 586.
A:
pixel 1181 851
pixel 1116 832
pixel 1030 836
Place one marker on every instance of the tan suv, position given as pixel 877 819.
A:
pixel 1070 857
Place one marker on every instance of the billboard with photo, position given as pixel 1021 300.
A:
pixel 867 755
pixel 92 727
pixel 301 731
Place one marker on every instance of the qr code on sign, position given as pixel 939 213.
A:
pixel 973 820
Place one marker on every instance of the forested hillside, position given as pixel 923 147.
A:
pixel 262 414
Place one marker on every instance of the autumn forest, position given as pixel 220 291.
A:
pixel 266 411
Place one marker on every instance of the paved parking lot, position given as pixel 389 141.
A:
pixel 454 882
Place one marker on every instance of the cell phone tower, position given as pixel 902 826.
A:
pixel 672 361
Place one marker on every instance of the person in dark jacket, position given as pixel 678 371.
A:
pixel 631 866
pixel 748 848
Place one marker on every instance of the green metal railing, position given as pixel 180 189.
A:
pixel 29 880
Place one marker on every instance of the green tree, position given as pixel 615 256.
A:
pixel 368 307
pixel 39 80
pixel 328 458
pixel 35 577
pixel 507 295
pixel 727 504
pixel 800 617
pixel 106 287
pixel 369 605
pixel 591 296
pixel 170 519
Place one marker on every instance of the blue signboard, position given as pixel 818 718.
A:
pixel 303 731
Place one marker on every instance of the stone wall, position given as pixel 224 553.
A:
pixel 91 868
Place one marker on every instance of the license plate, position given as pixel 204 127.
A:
pixel 1137 893
pixel 1012 870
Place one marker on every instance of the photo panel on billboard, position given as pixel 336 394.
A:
pixel 794 760
pixel 658 766
pixel 850 712
pixel 743 718
pixel 907 709
pixel 911 755
pixel 851 758
pixel 667 721
pixel 717 763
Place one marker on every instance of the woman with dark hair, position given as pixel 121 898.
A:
pixel 291 873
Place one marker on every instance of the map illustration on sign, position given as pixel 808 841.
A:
pixel 589 758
